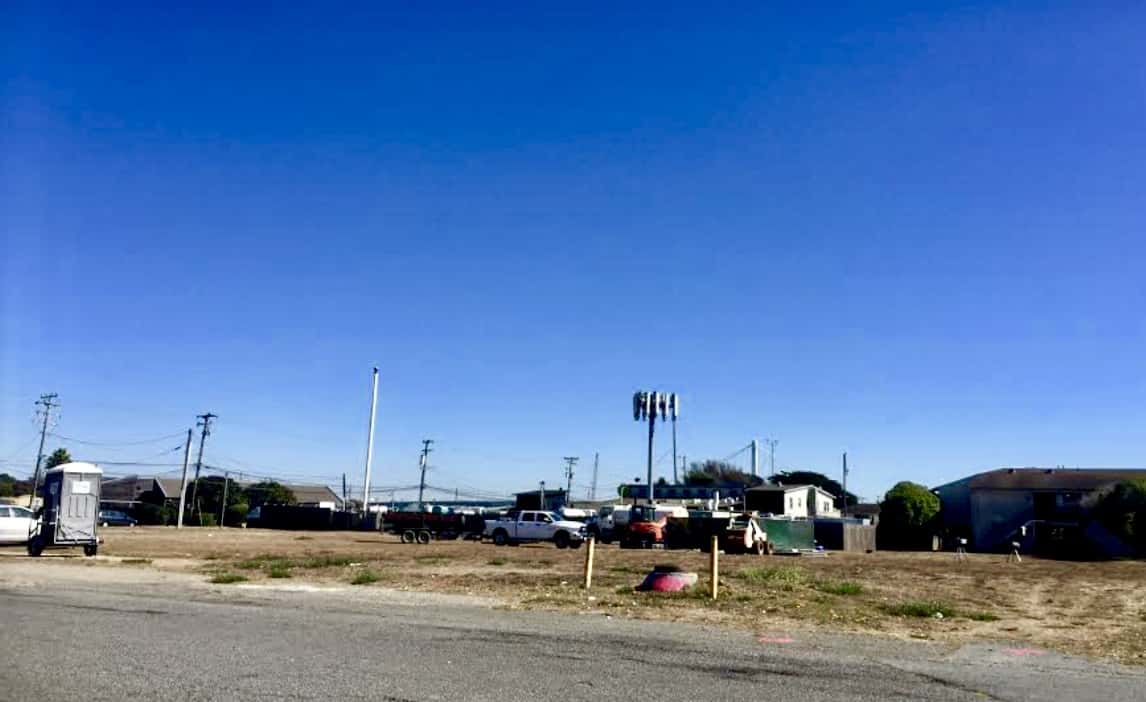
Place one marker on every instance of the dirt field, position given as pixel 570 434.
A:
pixel 1095 609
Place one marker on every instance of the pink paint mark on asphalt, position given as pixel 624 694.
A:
pixel 775 640
pixel 1021 652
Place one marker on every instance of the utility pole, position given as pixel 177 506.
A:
pixel 674 410
pixel 223 507
pixel 370 443
pixel 844 498
pixel 542 494
pixel 570 461
pixel 424 462
pixel 344 506
pixel 183 483
pixel 205 422
pixel 646 406
pixel 47 401
pixel 684 465
pixel 593 489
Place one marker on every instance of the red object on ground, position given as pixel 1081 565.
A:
pixel 667 582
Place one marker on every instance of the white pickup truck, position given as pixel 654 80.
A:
pixel 524 527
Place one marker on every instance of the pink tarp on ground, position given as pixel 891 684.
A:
pixel 667 582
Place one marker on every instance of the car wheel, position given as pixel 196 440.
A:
pixel 500 537
pixel 561 538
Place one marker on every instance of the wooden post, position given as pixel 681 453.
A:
pixel 713 562
pixel 589 550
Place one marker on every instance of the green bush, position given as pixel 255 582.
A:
pixel 1122 510
pixel 908 516
pixel 237 514
pixel 208 520
pixel 228 578
pixel 151 514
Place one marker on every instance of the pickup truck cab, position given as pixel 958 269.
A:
pixel 528 526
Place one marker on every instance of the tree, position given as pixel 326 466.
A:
pixel 1122 510
pixel 268 492
pixel 210 497
pixel 907 516
pixel 712 472
pixel 59 457
pixel 807 477
pixel 11 486
pixel 661 481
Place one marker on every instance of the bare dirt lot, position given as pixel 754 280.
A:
pixel 1095 609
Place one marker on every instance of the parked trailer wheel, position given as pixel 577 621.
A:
pixel 35 548
pixel 90 550
pixel 408 536
pixel 424 537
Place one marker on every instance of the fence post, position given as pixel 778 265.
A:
pixel 713 563
pixel 589 550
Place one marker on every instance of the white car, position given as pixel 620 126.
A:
pixel 15 523
pixel 524 527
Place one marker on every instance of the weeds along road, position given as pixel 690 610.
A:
pixel 91 633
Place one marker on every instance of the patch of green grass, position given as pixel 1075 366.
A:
pixel 839 587
pixel 925 608
pixel 228 578
pixel 136 561
pixel 982 616
pixel 304 538
pixel 324 561
pixel 782 577
pixel 497 561
pixel 433 558
pixel 279 571
pixel 365 577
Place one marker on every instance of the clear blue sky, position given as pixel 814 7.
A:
pixel 915 236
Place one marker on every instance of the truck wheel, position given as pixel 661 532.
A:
pixel 35 548
pixel 408 536
pixel 561 538
pixel 90 550
pixel 424 537
pixel 500 537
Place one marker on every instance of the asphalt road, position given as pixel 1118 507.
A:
pixel 88 638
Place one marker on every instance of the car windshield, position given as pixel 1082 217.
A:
pixel 21 512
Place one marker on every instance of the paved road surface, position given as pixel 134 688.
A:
pixel 89 638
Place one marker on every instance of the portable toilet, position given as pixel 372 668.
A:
pixel 70 499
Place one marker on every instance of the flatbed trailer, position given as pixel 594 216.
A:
pixel 423 527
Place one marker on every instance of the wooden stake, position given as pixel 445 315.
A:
pixel 713 563
pixel 589 550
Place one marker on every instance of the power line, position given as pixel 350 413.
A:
pixel 114 444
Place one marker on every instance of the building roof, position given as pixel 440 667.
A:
pixel 783 488
pixel 1052 478
pixel 311 494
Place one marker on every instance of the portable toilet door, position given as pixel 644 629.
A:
pixel 71 501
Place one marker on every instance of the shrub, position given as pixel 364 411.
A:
pixel 228 578
pixel 498 561
pixel 1122 510
pixel 237 514
pixel 279 571
pixel 365 577
pixel 325 561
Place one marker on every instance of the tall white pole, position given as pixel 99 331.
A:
pixel 370 443
pixel 183 482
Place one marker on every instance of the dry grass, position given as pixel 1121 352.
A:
pixel 1097 609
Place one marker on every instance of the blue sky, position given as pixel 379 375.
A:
pixel 915 236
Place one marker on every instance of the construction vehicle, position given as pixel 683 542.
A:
pixel 644 525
